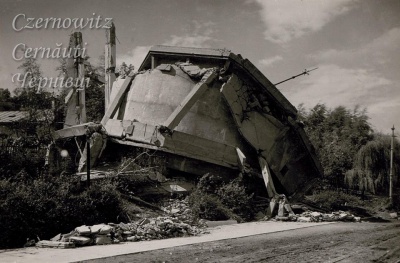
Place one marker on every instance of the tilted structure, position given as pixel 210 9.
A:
pixel 209 106
pixel 209 110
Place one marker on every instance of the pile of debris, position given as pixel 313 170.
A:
pixel 177 222
pixel 280 207
pixel 310 216
pixel 180 210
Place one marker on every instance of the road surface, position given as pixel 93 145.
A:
pixel 341 242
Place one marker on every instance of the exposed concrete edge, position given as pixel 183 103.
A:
pixel 259 77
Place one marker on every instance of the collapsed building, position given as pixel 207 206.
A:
pixel 206 110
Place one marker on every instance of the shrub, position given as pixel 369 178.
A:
pixel 334 200
pixel 207 206
pixel 234 196
pixel 46 206
pixel 215 199
pixel 210 183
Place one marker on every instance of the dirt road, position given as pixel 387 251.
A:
pixel 341 242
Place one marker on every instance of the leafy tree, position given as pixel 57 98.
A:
pixel 337 134
pixel 34 132
pixel 371 167
pixel 6 101
pixel 29 96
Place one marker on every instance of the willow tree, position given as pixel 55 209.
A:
pixel 371 167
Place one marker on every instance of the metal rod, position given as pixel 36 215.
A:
pixel 303 73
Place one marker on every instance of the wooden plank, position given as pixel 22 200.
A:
pixel 77 130
pixel 187 103
pixel 110 112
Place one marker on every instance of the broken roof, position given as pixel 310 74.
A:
pixel 188 51
pixel 7 117
pixel 221 54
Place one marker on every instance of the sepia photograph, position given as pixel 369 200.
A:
pixel 199 131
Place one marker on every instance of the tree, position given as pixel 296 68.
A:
pixel 28 95
pixel 35 131
pixel 337 135
pixel 6 101
pixel 371 166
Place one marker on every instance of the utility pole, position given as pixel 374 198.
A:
pixel 110 62
pixel 88 159
pixel 391 168
pixel 75 100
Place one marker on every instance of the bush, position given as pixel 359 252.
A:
pixel 26 159
pixel 215 199
pixel 334 200
pixel 207 206
pixel 234 196
pixel 46 206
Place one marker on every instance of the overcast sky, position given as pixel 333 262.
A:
pixel 354 44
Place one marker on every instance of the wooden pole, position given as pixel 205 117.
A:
pixel 110 63
pixel 81 76
pixel 75 101
pixel 391 168
pixel 88 160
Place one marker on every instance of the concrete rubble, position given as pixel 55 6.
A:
pixel 310 216
pixel 177 222
pixel 394 215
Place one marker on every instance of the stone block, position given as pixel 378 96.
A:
pixel 393 215
pixel 83 230
pixel 303 219
pixel 80 241
pixel 103 240
pixel 95 229
pixel 315 214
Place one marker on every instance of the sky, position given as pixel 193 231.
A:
pixel 355 44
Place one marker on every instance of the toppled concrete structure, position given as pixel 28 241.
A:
pixel 209 110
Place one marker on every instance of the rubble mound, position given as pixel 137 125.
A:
pixel 177 221
pixel 310 216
